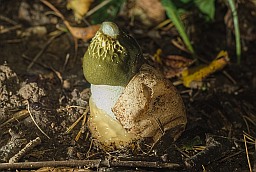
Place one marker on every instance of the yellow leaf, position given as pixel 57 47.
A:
pixel 157 56
pixel 79 7
pixel 192 76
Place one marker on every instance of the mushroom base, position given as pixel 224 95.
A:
pixel 106 130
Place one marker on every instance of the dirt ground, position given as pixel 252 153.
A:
pixel 43 92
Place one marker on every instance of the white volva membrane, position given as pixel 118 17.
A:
pixel 102 122
pixel 105 97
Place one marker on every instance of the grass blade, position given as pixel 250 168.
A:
pixel 237 30
pixel 172 13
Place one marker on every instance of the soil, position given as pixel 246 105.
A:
pixel 43 92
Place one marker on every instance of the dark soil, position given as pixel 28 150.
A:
pixel 43 92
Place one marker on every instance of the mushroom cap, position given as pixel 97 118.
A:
pixel 112 58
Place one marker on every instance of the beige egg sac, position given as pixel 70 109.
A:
pixel 148 107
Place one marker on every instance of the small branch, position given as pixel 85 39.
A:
pixel 5 30
pixel 45 46
pixel 89 164
pixel 96 8
pixel 212 152
pixel 36 122
pixel 8 20
pixel 24 150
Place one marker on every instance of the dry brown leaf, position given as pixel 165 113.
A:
pixel 84 33
pixel 149 12
pixel 176 61
pixel 79 7
pixel 176 64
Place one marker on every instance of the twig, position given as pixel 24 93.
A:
pixel 5 30
pixel 36 123
pixel 66 62
pixel 37 63
pixel 6 19
pixel 78 120
pixel 42 50
pixel 24 150
pixel 17 116
pixel 247 153
pixel 58 13
pixel 89 164
pixel 229 77
pixel 212 151
pixel 179 45
pixel 97 8
pixel 82 128
pixel 10 41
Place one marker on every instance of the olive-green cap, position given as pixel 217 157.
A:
pixel 112 58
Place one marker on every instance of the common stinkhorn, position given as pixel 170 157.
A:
pixel 129 102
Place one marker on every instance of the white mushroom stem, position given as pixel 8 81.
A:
pixel 102 121
pixel 105 97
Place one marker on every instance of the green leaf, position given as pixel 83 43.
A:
pixel 207 7
pixel 107 12
pixel 172 13
pixel 237 30
pixel 185 1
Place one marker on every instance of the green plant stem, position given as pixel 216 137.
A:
pixel 172 13
pixel 237 31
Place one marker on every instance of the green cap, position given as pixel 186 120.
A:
pixel 112 58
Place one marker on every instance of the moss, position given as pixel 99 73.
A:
pixel 112 58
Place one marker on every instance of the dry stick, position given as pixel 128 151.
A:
pixel 229 77
pixel 42 50
pixel 247 154
pixel 24 150
pixel 82 128
pixel 16 117
pixel 97 8
pixel 88 163
pixel 58 13
pixel 5 30
pixel 36 123
pixel 78 120
pixel 6 19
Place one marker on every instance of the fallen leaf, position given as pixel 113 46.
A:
pixel 79 7
pixel 157 56
pixel 149 12
pixel 84 33
pixel 175 65
pixel 192 78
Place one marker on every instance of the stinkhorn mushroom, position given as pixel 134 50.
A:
pixel 129 101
